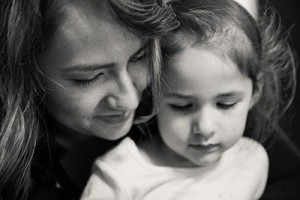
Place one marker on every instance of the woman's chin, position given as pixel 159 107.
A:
pixel 112 132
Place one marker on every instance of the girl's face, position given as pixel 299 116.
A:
pixel 204 107
pixel 94 72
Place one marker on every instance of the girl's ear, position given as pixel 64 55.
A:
pixel 257 89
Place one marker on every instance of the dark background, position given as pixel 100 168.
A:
pixel 289 10
pixel 284 173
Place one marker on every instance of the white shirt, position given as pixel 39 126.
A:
pixel 123 174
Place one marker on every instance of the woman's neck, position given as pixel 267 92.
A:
pixel 79 151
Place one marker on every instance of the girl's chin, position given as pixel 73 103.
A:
pixel 207 160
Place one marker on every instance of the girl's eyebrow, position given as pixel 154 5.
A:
pixel 176 95
pixel 232 93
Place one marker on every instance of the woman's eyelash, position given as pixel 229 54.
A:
pixel 138 57
pixel 85 82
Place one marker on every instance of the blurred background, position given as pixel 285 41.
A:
pixel 289 11
pixel 284 173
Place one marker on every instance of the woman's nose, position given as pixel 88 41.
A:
pixel 125 96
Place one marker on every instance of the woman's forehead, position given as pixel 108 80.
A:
pixel 88 33
pixel 90 20
pixel 87 12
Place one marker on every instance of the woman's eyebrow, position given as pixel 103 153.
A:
pixel 95 67
pixel 88 67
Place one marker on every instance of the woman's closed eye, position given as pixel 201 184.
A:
pixel 141 55
pixel 88 81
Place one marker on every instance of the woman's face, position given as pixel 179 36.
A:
pixel 94 71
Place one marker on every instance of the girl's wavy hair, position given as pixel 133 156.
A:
pixel 259 49
pixel 26 29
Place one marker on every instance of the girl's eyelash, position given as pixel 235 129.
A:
pixel 226 106
pixel 86 82
pixel 186 107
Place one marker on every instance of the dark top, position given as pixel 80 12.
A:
pixel 50 180
pixel 284 173
pixel 53 163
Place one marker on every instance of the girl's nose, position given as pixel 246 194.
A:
pixel 203 125
pixel 125 97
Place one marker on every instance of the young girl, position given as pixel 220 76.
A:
pixel 224 77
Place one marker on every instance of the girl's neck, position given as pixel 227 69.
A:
pixel 155 151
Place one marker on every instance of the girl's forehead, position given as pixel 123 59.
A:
pixel 203 74
pixel 229 43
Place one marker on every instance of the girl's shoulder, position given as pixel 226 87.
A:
pixel 248 161
pixel 249 157
pixel 252 149
pixel 249 153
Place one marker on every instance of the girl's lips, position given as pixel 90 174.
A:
pixel 207 148
pixel 114 118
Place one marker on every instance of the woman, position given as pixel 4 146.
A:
pixel 70 72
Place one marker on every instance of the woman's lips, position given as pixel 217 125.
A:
pixel 115 118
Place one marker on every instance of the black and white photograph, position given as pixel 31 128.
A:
pixel 149 100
